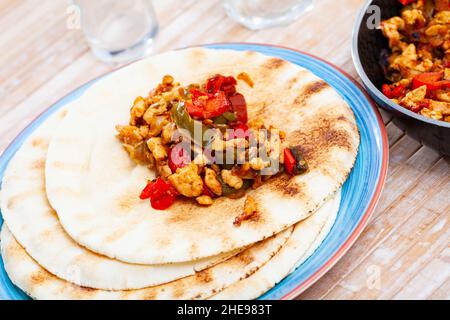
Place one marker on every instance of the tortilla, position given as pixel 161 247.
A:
pixel 307 236
pixel 36 226
pixel 94 185
pixel 38 283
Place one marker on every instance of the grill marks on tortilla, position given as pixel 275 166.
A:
pixel 309 90
pixel 274 63
pixel 285 184
pixel 19 197
pixel 317 140
pixel 204 276
pixel 127 201
pixel 38 165
pixel 197 57
pixel 41 143
pixel 39 277
pixel 72 167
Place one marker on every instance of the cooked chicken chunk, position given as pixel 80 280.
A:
pixel 187 181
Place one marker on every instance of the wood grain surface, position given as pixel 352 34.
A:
pixel 403 253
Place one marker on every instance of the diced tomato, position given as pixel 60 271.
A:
pixel 239 106
pixel 179 157
pixel 392 91
pixel 430 79
pixel 406 2
pixel 161 193
pixel 289 161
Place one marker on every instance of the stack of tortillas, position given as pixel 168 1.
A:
pixel 75 227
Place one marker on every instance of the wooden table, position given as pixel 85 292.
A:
pixel 404 252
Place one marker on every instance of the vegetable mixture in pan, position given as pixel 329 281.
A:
pixel 418 64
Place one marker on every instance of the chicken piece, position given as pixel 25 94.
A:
pixel 167 133
pixel 440 106
pixel 232 180
pixel 137 110
pixel 157 149
pixel 429 113
pixel 442 95
pixel 435 30
pixel 250 209
pixel 390 29
pixel 442 17
pixel 129 134
pixel 258 163
pixel 220 145
pixel 155 121
pixel 139 153
pixel 413 18
pixel 447 74
pixel 204 200
pixel 187 181
pixel 408 62
pixel 256 124
pixel 414 98
pixel 211 181
pixel 163 169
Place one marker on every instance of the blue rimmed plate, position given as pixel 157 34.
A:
pixel 360 192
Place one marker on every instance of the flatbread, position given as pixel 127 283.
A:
pixel 94 186
pixel 38 283
pixel 307 236
pixel 36 226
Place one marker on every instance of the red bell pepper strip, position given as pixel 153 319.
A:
pixel 161 193
pixel 216 106
pixel 445 84
pixel 430 79
pixel 147 191
pixel 219 82
pixel 207 106
pixel 393 92
pixel 239 107
pixel 424 104
pixel 179 157
pixel 406 2
pixel 289 161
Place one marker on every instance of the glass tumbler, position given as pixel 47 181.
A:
pixel 260 14
pixel 118 30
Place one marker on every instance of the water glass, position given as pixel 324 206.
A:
pixel 260 14
pixel 118 30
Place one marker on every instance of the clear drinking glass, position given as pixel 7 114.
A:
pixel 260 14
pixel 118 30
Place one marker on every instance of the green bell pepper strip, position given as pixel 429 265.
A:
pixel 229 191
pixel 183 120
